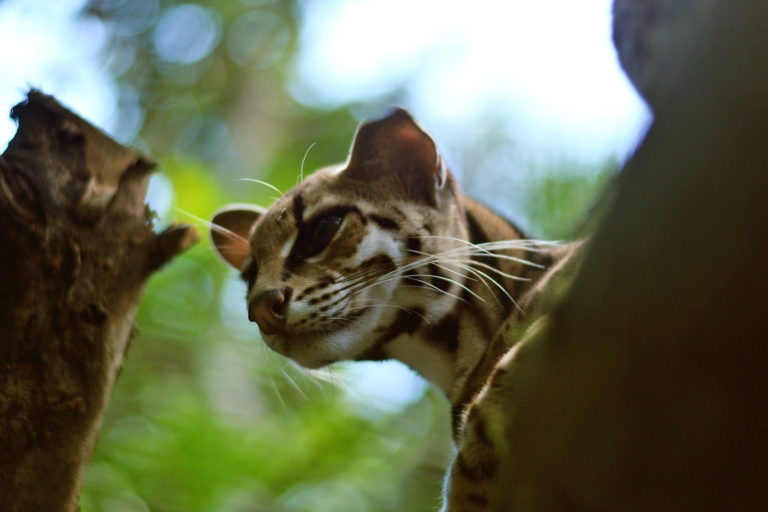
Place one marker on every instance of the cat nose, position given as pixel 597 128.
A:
pixel 269 310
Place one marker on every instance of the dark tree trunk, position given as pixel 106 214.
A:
pixel 77 248
pixel 648 389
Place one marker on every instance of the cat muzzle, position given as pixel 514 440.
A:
pixel 269 310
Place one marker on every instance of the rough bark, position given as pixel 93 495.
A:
pixel 77 248
pixel 648 389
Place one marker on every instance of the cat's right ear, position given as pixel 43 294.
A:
pixel 230 232
pixel 396 146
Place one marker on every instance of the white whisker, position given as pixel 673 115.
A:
pixel 267 353
pixel 277 392
pixel 293 383
pixel 491 268
pixel 374 302
pixel 490 248
pixel 212 226
pixel 322 375
pixel 263 183
pixel 430 285
pixel 303 160
pixel 483 278
pixel 522 243
pixel 447 279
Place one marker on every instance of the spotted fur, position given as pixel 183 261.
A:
pixel 383 257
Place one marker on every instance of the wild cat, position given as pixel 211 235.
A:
pixel 383 257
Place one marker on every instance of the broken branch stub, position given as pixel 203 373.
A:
pixel 77 249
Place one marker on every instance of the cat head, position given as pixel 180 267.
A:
pixel 331 264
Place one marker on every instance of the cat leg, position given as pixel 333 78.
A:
pixel 469 480
pixel 471 477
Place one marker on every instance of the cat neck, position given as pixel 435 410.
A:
pixel 448 350
pixel 485 225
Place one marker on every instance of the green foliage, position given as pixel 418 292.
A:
pixel 560 204
pixel 185 458
pixel 204 417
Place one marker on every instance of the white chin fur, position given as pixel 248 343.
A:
pixel 313 351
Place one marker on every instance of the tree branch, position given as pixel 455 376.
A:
pixel 647 389
pixel 77 250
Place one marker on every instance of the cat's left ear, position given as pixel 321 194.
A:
pixel 396 145
pixel 230 232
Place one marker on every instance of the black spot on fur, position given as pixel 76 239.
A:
pixel 307 291
pixel 298 209
pixel 384 222
pixel 437 280
pixel 482 315
pixel 477 472
pixel 386 263
pixel 406 321
pixel 413 244
pixel 457 416
pixel 323 298
pixel 542 258
pixel 476 499
pixel 481 432
pixel 445 334
pixel 477 235
pixel 410 279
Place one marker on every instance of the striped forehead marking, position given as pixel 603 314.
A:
pixel 298 209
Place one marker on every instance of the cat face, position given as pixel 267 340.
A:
pixel 332 263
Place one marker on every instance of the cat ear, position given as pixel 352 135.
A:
pixel 396 145
pixel 230 231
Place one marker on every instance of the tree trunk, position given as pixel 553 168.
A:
pixel 648 388
pixel 77 249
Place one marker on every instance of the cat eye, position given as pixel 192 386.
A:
pixel 315 235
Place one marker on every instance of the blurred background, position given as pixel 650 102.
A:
pixel 525 100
